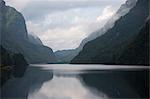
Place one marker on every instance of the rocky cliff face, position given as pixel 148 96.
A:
pixel 108 47
pixel 14 37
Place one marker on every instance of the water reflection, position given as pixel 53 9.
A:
pixel 79 82
pixel 65 87
pixel 18 88
pixel 94 82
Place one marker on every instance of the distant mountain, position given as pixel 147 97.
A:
pixel 67 56
pixel 14 37
pixel 107 48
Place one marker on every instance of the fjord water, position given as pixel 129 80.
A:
pixel 66 81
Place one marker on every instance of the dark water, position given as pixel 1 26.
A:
pixel 64 81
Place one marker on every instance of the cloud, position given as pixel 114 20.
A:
pixel 107 13
pixel 18 4
pixel 66 30
pixel 63 24
pixel 59 38
pixel 44 7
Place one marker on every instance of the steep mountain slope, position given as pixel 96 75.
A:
pixel 123 10
pixel 14 37
pixel 35 40
pixel 108 47
pixel 137 52
pixel 67 56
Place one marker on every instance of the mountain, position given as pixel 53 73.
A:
pixel 107 48
pixel 137 52
pixel 65 56
pixel 68 55
pixel 14 37
pixel 35 40
pixel 123 10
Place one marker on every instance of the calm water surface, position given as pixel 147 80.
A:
pixel 65 81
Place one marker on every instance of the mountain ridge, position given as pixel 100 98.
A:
pixel 14 37
pixel 123 10
pixel 106 48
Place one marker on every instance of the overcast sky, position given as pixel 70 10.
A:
pixel 63 24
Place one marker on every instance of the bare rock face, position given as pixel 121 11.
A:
pixel 14 37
